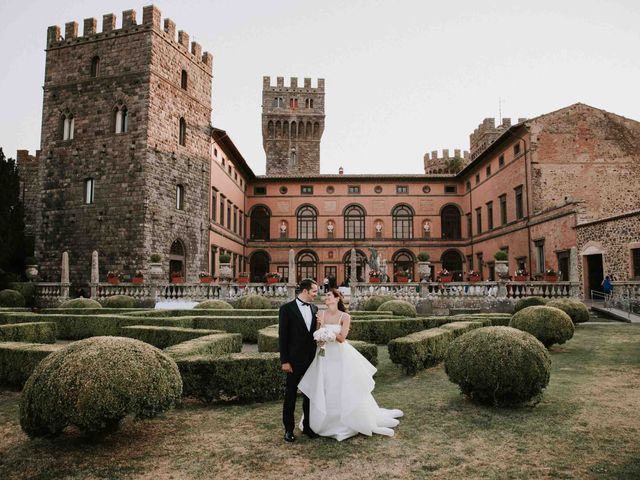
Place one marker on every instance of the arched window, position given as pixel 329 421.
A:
pixel 68 126
pixel 270 129
pixel 180 197
pixel 450 220
pixel 307 223
pixel 402 217
pixel 307 263
pixel 293 103
pixel 182 135
pixel 293 158
pixel 177 258
pixel 184 80
pixel 258 266
pixel 89 190
pixel 354 222
pixel 95 66
pixel 403 263
pixel 308 103
pixel 452 261
pixel 122 120
pixel 260 221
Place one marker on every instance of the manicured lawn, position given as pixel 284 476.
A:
pixel 587 426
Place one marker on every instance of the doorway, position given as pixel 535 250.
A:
pixel 595 272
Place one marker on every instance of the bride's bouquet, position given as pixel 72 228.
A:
pixel 323 335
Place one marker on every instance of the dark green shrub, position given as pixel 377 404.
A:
pixel 19 359
pixel 268 339
pixel 423 257
pixel 95 311
pixel 460 328
pixel 420 350
pixel 528 302
pixel 382 331
pixel 501 256
pixel 372 303
pixel 208 313
pixel 80 303
pixel 27 289
pixel 11 298
pixel 242 377
pixel 399 308
pixel 163 337
pixel 145 303
pixel 211 345
pixel 248 302
pixel 577 310
pixel 548 324
pixel 32 332
pixel 95 383
pixel 214 305
pixel 247 326
pixel 498 365
pixel 119 301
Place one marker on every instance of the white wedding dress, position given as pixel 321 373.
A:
pixel 339 387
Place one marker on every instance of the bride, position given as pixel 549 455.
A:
pixel 339 384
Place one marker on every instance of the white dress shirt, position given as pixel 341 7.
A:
pixel 305 310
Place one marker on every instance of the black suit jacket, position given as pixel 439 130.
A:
pixel 297 345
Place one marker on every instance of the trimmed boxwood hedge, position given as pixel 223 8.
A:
pixel 19 359
pixel 80 303
pixel 97 311
pixel 420 350
pixel 548 324
pixel 94 383
pixel 381 331
pixel 498 365
pixel 399 308
pixel 247 326
pixel 460 328
pixel 242 377
pixel 528 302
pixel 253 302
pixel 577 310
pixel 371 304
pixel 368 350
pixel 119 301
pixel 208 313
pixel 32 332
pixel 27 289
pixel 11 298
pixel 163 337
pixel 210 345
pixel 214 305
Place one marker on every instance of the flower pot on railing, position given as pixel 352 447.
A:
pixel 474 278
pixel 31 272
pixel 155 270
pixel 226 273
pixel 137 280
pixel 205 279
pixel 502 268
pixel 272 277
pixel 177 279
pixel 243 278
pixel 113 280
pixel 519 278
pixel 550 278
pixel 445 278
pixel 424 269
pixel 374 279
pixel 402 279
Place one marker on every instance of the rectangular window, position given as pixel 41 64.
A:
pixel 306 189
pixel 635 256
pixel 519 209
pixel 353 189
pixel 259 190
pixel 235 219
pixel 222 210
pixel 179 197
pixel 229 215
pixel 477 178
pixel 450 189
pixel 503 209
pixel 516 150
pixel 402 189
pixel 490 215
pixel 241 223
pixel 488 170
pixel 467 186
pixel 89 190
pixel 214 204
pixel 479 220
pixel 284 274
pixel 469 231
pixel 539 256
pixel 469 262
pixel 501 161
pixel 480 264
pixel 521 262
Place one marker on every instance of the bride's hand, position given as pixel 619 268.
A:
pixel 340 338
pixel 321 344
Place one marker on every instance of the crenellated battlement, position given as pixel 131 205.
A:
pixel 293 85
pixel 486 133
pixel 151 20
pixel 445 163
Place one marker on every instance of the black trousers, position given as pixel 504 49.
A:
pixel 289 406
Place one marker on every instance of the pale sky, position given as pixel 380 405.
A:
pixel 402 77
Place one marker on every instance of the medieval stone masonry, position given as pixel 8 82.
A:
pixel 130 165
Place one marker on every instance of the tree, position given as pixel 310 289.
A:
pixel 12 240
pixel 455 164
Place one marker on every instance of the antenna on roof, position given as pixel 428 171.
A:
pixel 499 110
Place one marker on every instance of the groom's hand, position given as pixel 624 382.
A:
pixel 286 368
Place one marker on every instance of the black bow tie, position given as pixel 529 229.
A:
pixel 305 304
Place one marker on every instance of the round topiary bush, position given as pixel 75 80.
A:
pixel 498 366
pixel 11 298
pixel 372 303
pixel 400 308
pixel 528 302
pixel 548 324
pixel 95 383
pixel 80 303
pixel 214 305
pixel 577 310
pixel 251 302
pixel 119 301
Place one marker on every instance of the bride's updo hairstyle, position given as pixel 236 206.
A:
pixel 336 293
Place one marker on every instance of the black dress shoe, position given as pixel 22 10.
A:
pixel 310 433
pixel 289 437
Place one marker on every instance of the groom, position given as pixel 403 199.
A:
pixel 297 348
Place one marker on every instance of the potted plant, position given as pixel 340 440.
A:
pixel 176 277
pixel 273 277
pixel 138 278
pixel 550 275
pixel 155 266
pixel 473 276
pixel 204 277
pixel 520 275
pixel 445 276
pixel 243 277
pixel 424 267
pixel 31 268
pixel 502 263
pixel 225 267
pixel 374 276
pixel 402 276
pixel 113 277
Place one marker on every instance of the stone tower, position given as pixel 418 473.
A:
pixel 292 126
pixel 124 164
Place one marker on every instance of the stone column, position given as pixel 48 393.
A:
pixel 95 275
pixel 291 282
pixel 64 276
pixel 353 278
